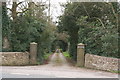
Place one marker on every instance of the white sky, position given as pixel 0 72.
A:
pixel 56 9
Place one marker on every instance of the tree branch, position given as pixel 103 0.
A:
pixel 19 3
pixel 113 10
pixel 93 17
pixel 86 10
pixel 22 11
pixel 9 9
pixel 100 21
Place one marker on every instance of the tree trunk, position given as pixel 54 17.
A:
pixel 14 12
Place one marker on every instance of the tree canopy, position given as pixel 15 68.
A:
pixel 94 24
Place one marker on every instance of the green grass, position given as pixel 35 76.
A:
pixel 47 55
pixel 115 71
pixel 66 54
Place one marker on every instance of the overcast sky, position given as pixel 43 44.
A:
pixel 56 9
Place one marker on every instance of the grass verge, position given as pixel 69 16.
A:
pixel 115 72
pixel 45 59
pixel 66 54
pixel 46 56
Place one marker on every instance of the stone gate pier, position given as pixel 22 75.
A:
pixel 33 53
pixel 80 55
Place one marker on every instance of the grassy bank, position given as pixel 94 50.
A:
pixel 45 59
pixel 46 56
pixel 66 54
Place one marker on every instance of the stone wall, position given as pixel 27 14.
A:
pixel 14 58
pixel 100 62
